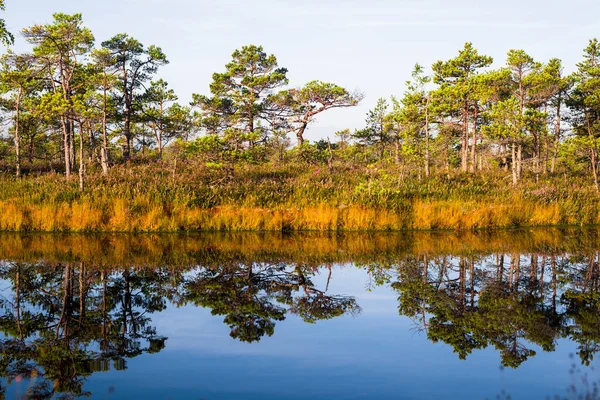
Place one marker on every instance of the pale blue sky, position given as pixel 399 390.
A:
pixel 366 45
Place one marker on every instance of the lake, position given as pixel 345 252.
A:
pixel 428 315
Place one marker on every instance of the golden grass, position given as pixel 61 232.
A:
pixel 142 215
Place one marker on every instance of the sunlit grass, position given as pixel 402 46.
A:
pixel 149 198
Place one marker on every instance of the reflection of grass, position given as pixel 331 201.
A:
pixel 305 247
pixel 284 198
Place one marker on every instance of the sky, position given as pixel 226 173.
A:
pixel 370 46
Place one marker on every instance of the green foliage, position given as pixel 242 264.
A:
pixel 133 65
pixel 241 96
pixel 305 103
pixel 6 37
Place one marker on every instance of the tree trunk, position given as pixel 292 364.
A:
pixel 104 150
pixel 536 153
pixel 427 138
pixel 67 147
pixel 81 163
pixel 522 113
pixel 92 144
pixel 251 129
pixel 593 155
pixel 515 177
pixel 127 94
pixel 160 132
pixel 72 143
pixel 17 137
pixel 474 143
pixel 66 124
pixel 517 270
pixel 546 155
pixel 31 148
pixel 160 149
pixel 158 137
pixel 300 134
pixel 18 300
pixel 127 133
pixel 330 159
pixel 447 157
pixel 464 147
pixel 594 168
pixel 520 160
pixel 556 138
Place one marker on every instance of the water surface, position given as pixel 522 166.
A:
pixel 305 316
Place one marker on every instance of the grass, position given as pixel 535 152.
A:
pixel 154 198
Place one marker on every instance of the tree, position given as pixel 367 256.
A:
pixel 456 88
pixel 17 77
pixel 411 117
pixel 521 66
pixel 585 103
pixel 557 87
pixel 315 305
pixel 181 121
pixel 376 129
pixel 506 123
pixel 135 65
pixel 89 107
pixel 103 64
pixel 62 323
pixel 343 136
pixel 312 99
pixel 6 37
pixel 242 295
pixel 155 105
pixel 59 50
pixel 241 105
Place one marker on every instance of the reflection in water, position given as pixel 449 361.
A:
pixel 74 305
pixel 63 322
pixel 504 301
pixel 253 297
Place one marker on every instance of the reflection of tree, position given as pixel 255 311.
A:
pixel 583 309
pixel 242 295
pixel 509 303
pixel 131 296
pixel 62 323
pixel 582 303
pixel 507 317
pixel 314 305
pixel 253 297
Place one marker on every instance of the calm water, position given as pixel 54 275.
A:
pixel 310 316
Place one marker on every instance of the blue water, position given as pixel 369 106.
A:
pixel 377 354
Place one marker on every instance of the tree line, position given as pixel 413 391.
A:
pixel 74 106
pixel 70 101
